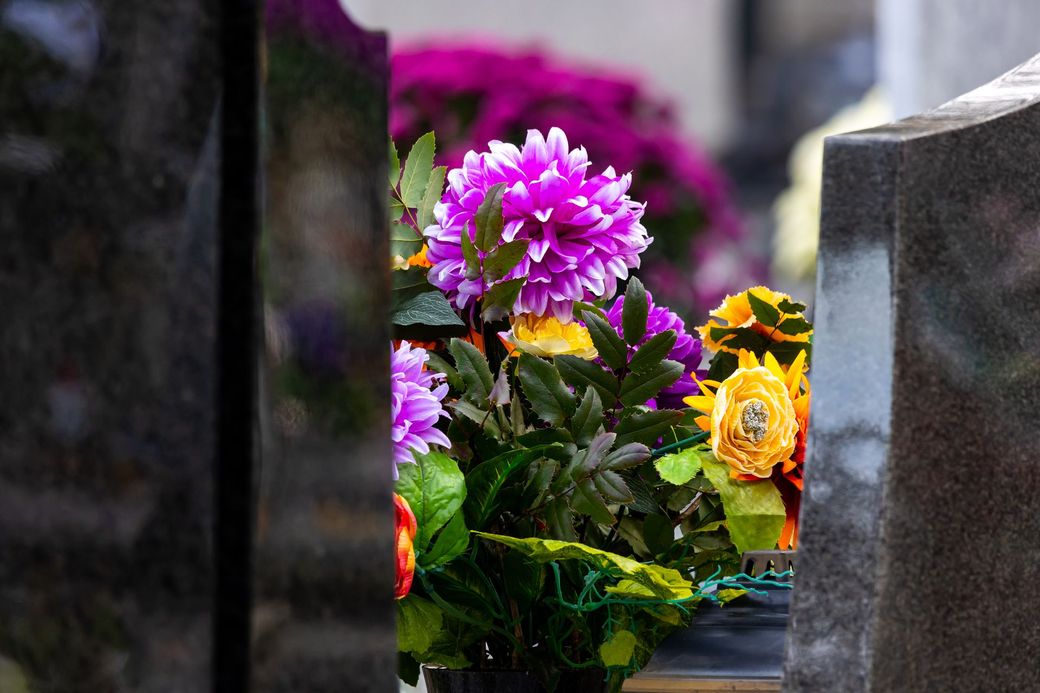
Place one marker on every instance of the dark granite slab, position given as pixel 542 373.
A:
pixel 921 515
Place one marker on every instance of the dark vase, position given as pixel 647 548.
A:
pixel 490 681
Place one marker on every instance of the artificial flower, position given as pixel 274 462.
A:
pixel 546 336
pixel 736 311
pixel 687 349
pixel 584 232
pixel 404 531
pixel 751 416
pixel 415 404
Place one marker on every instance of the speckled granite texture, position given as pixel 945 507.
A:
pixel 921 520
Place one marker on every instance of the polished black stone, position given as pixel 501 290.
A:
pixel 921 513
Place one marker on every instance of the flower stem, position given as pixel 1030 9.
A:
pixel 680 444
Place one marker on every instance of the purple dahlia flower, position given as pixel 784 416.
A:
pixel 687 349
pixel 585 232
pixel 415 404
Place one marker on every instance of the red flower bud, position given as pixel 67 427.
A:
pixel 404 529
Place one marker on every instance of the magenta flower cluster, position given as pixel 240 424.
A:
pixel 687 348
pixel 471 93
pixel 584 231
pixel 415 404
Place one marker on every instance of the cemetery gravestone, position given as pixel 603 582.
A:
pixel 922 512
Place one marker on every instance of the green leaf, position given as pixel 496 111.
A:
pixel 409 282
pixel 501 261
pixel 639 387
pixel 499 299
pixel 740 338
pixel 611 347
pixel 790 307
pixel 666 583
pixel 469 254
pixel 404 240
pixel 581 306
pixel 451 542
pixel 430 308
pixel 488 218
pixel 523 579
pixel 431 196
pixel 612 486
pixel 659 533
pixel 417 170
pixel 580 373
pixel 634 312
pixel 438 365
pixel 435 489
pixel 488 478
pixel 787 352
pixel 541 474
pixel 560 519
pixel 764 313
pixel 626 456
pixel 549 397
pixel 618 651
pixel 418 622
pixel 394 169
pixel 754 510
pixel 587 500
pixel 794 325
pixel 588 459
pixel 407 669
pixel 479 416
pixel 587 418
pixel 473 368
pixel 679 467
pixel 544 436
pixel 653 352
pixel 646 427
pixel 396 212
pixel 722 366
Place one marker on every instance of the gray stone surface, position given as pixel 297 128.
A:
pixel 921 514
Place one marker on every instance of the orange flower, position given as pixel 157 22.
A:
pixel 405 528
pixel 736 311
pixel 419 259
pixel 751 414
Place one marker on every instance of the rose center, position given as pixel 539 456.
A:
pixel 754 419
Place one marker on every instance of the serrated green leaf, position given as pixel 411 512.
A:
pixel 469 254
pixel 541 476
pixel 626 456
pixel 679 467
pixel 473 368
pixel 588 417
pixel 499 299
pixel 612 486
pixel 794 325
pixel 653 352
pixel 790 307
pixel 438 365
pixel 418 622
pixel 639 387
pixel 488 218
pixel 501 261
pixel 481 417
pixel 666 583
pixel 611 347
pixel 417 170
pixel 435 489
pixel 486 480
pixel 787 352
pixel 429 308
pixel 560 519
pixel 739 338
pixel 754 510
pixel 634 312
pixel 451 542
pixel 587 500
pixel 593 455
pixel 394 169
pixel 646 427
pixel 581 374
pixel 580 306
pixel 764 312
pixel 431 196
pixel 544 436
pixel 543 387
pixel 618 650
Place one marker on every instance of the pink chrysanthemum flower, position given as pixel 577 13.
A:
pixel 585 232
pixel 415 404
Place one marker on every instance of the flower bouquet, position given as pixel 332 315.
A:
pixel 570 483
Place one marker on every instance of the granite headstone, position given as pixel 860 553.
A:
pixel 921 514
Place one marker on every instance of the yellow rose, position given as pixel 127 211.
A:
pixel 736 311
pixel 751 417
pixel 546 336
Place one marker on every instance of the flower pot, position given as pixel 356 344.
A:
pixel 440 680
